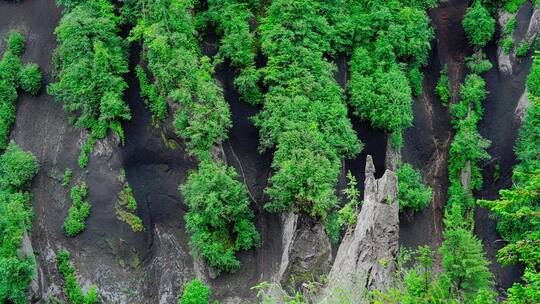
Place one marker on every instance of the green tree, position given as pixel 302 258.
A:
pixel 412 192
pixel 15 43
pixel 464 262
pixel 219 218
pixel 478 24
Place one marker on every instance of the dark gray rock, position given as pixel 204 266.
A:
pixel 306 250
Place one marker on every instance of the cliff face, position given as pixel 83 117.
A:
pixel 152 266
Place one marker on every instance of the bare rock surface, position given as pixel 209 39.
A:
pixel 306 250
pixel 365 258
pixel 503 59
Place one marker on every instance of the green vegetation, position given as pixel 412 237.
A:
pixel 517 208
pixel 156 103
pixel 304 115
pixel 17 168
pixel 219 219
pixel 71 286
pixel 467 149
pixel 195 292
pixel 391 42
pixel 91 60
pixel 465 277
pixel 14 75
pixel 512 6
pixel 16 43
pixel 348 214
pixel 443 88
pixel 508 35
pixel 478 65
pixel 412 193
pixel 66 179
pixel 78 212
pixel 464 262
pixel 126 206
pixel 523 49
pixel 181 75
pixel 478 24
pixel 232 18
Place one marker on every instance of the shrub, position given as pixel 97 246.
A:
pixel 443 86
pixel 348 214
pixel 66 179
pixel 78 212
pixel 126 207
pixel 17 168
pixel 15 43
pixel 71 286
pixel 507 44
pixel 478 24
pixel 508 33
pixel 195 292
pixel 156 103
pixel 464 262
pixel 478 65
pixel 412 192
pixel 523 49
pixel 512 6
pixel 219 218
pixel 30 78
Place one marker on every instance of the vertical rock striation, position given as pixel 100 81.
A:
pixel 365 258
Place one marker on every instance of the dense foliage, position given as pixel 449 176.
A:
pixel 71 287
pixel 219 218
pixel 232 19
pixel 443 88
pixel 17 168
pixel 391 40
pixel 195 292
pixel 478 24
pixel 181 75
pixel 78 212
pixel 304 115
pixel 508 35
pixel 517 208
pixel 465 277
pixel 14 75
pixel 413 194
pixel 91 60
